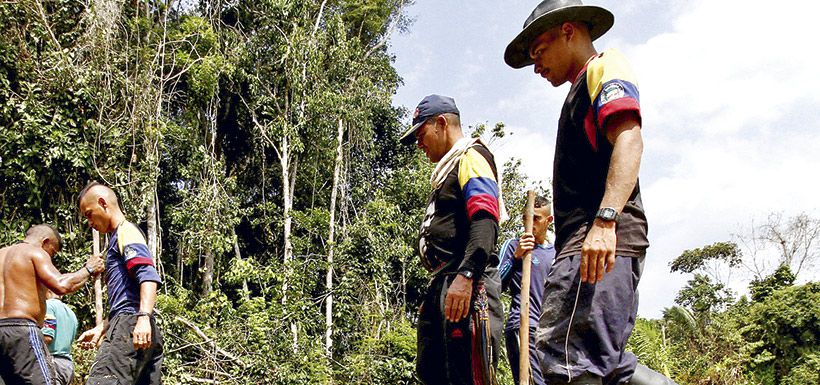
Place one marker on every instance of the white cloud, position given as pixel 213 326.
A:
pixel 730 105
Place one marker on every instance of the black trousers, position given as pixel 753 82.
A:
pixel 445 350
pixel 118 363
pixel 24 358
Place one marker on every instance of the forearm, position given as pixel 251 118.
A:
pixel 480 244
pixel 71 282
pixel 623 169
pixel 148 296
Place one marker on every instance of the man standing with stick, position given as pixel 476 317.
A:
pixel 526 258
pixel 459 328
pixel 132 350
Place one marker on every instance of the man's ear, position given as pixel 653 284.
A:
pixel 550 219
pixel 441 120
pixel 50 242
pixel 567 30
pixel 101 201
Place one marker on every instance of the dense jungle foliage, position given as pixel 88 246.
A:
pixel 255 144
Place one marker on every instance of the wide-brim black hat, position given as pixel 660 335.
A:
pixel 549 14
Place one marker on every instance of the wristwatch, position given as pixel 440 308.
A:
pixel 608 214
pixel 142 314
pixel 90 272
pixel 466 274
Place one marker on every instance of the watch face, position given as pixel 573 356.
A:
pixel 607 213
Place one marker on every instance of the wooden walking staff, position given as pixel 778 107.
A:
pixel 524 331
pixel 98 305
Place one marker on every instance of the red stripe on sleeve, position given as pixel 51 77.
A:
pixel 138 261
pixel 616 106
pixel 481 202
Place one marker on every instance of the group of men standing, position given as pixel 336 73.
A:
pixel 584 288
pixel 584 294
pixel 129 344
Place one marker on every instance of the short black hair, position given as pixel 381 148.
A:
pixel 43 230
pixel 85 190
pixel 541 201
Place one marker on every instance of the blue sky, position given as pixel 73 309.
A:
pixel 730 96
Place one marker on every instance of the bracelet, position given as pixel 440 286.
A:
pixel 142 314
pixel 90 272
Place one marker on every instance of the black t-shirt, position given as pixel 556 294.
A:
pixel 582 155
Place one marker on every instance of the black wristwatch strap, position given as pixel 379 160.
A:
pixel 90 272
pixel 142 314
pixel 607 214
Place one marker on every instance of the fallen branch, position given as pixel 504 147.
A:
pixel 199 380
pixel 209 341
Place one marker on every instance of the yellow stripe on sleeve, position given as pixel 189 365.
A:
pixel 473 165
pixel 608 66
pixel 128 234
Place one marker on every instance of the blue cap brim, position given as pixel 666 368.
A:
pixel 408 137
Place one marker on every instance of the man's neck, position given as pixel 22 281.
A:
pixel 453 137
pixel 116 220
pixel 581 60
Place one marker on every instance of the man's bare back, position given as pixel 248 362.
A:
pixel 22 295
pixel 26 272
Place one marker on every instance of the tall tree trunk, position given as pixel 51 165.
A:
pixel 287 205
pixel 180 265
pixel 332 243
pixel 152 219
pixel 208 273
pixel 245 291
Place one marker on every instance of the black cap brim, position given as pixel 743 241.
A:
pixel 600 20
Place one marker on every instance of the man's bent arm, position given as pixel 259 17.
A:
pixel 60 284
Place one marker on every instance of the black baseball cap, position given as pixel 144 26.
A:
pixel 429 107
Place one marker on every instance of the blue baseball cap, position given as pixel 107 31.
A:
pixel 429 107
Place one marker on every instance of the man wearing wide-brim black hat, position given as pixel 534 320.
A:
pixel 590 299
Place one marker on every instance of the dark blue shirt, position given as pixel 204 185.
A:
pixel 128 263
pixel 510 270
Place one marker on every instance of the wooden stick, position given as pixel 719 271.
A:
pixel 524 331
pixel 98 305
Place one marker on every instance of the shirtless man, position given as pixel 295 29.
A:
pixel 26 273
